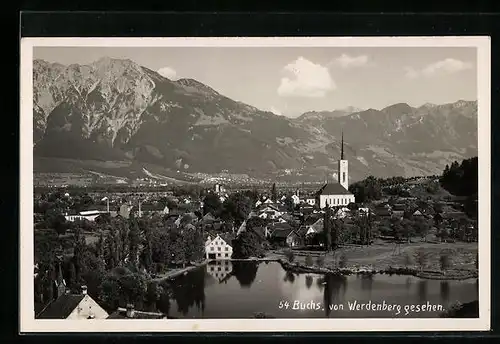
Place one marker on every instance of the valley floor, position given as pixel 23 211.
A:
pixel 383 255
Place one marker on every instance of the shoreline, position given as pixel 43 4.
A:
pixel 434 275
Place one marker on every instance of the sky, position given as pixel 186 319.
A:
pixel 292 80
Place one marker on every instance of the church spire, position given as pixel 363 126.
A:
pixel 342 147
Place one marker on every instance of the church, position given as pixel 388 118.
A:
pixel 336 193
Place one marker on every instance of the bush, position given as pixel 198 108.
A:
pixel 343 261
pixel 309 260
pixel 290 255
pixel 320 261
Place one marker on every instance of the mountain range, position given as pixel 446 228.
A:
pixel 117 110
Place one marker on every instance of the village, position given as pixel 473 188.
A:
pixel 375 225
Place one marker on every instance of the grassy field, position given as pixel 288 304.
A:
pixel 380 256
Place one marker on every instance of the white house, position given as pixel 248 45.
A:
pixel 89 215
pixel 270 212
pixel 295 199
pixel 74 307
pixel 311 201
pixel 218 249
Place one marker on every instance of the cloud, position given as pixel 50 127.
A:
pixel 411 73
pixel 346 61
pixel 168 73
pixel 446 66
pixel 308 80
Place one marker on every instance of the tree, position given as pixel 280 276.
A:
pixel 367 189
pixel 248 244
pixel 274 195
pixel 444 261
pixel 422 227
pixel 290 255
pixel 320 261
pixel 408 229
pixel 237 207
pixel 327 229
pixel 212 204
pixel 289 204
pixel 421 258
pixel 134 240
pixel 309 260
pixel 343 261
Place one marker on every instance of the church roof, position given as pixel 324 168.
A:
pixel 333 189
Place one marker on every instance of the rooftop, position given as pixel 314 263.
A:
pixel 333 189
pixel 62 307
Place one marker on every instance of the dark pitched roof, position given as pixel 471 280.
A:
pixel 62 307
pixel 121 313
pixel 281 233
pixel 333 189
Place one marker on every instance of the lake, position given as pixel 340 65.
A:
pixel 239 289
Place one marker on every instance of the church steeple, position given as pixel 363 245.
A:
pixel 342 147
pixel 343 174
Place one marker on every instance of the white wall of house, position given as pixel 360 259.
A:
pixel 311 201
pixel 219 248
pixel 335 200
pixel 73 218
pixel 88 307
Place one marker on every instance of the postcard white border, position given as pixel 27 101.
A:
pixel 29 324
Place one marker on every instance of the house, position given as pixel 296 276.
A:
pixel 258 203
pixel 398 214
pixel 73 307
pixel 295 199
pixel 268 201
pixel 89 215
pixel 399 207
pixel 383 211
pixel 131 313
pixel 286 237
pixel 311 201
pixel 270 212
pixel 341 213
pixel 218 248
pixel 262 231
pixel 417 213
pixel 315 228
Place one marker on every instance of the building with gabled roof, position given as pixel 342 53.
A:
pixel 74 307
pixel 334 194
pixel 217 248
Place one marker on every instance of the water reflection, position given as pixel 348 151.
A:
pixel 331 285
pixel 444 291
pixel 422 291
pixel 222 290
pixel 289 277
pixel 309 281
pixel 189 290
pixel 408 283
pixel 245 272
pixel 220 270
